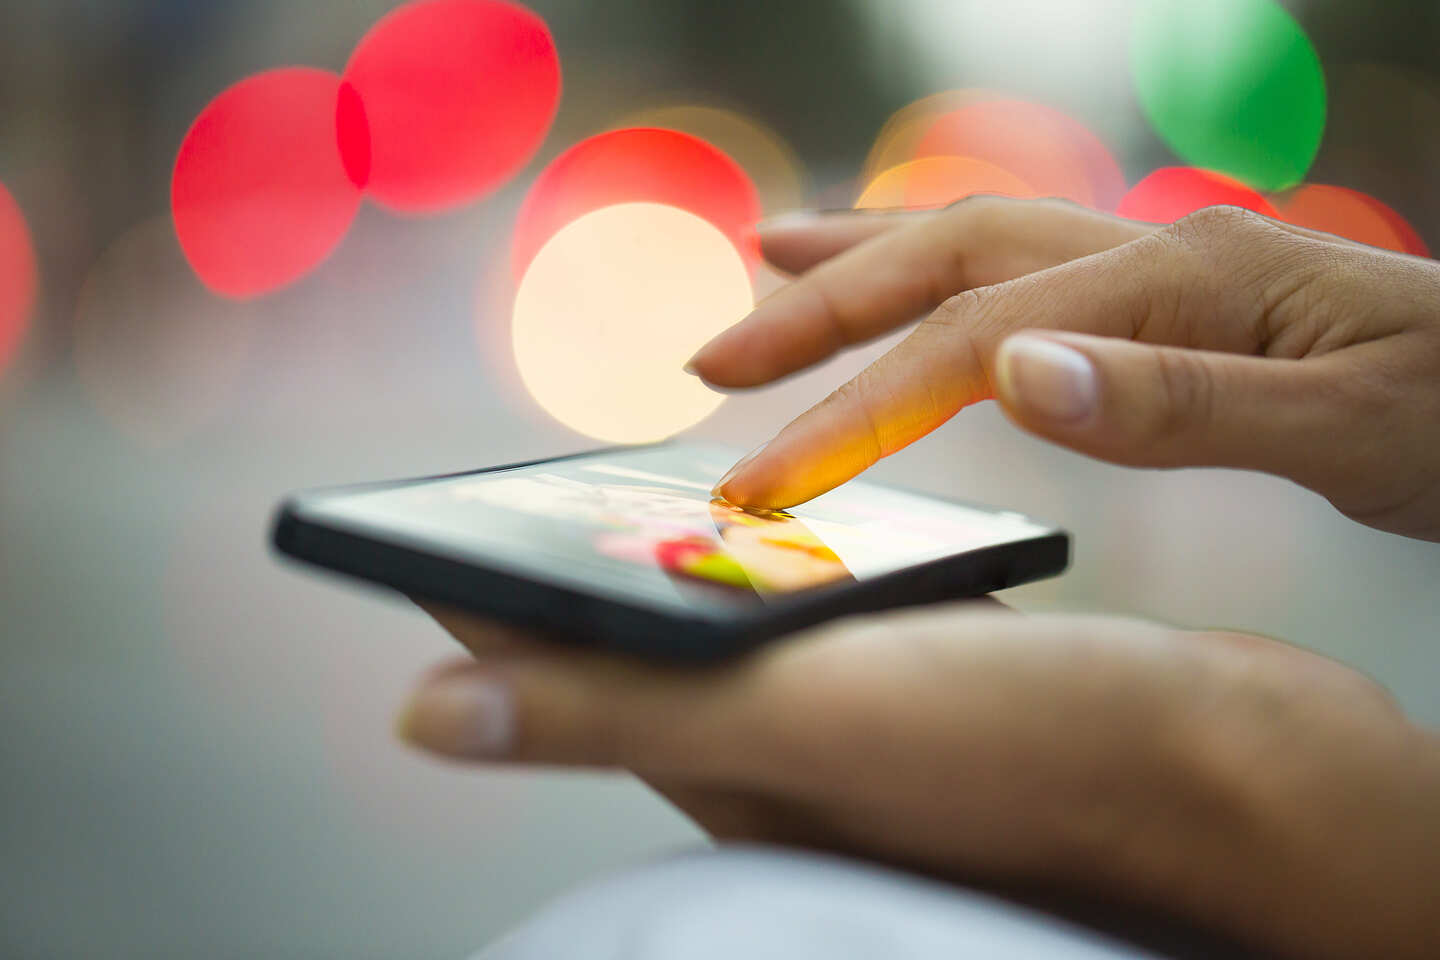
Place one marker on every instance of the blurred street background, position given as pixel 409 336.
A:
pixel 196 756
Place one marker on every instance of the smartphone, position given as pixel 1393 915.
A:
pixel 625 549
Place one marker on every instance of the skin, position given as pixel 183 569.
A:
pixel 1254 788
pixel 1226 339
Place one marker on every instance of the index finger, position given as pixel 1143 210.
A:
pixel 942 367
pixel 900 274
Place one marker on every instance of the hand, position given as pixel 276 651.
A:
pixel 1226 339
pixel 1252 787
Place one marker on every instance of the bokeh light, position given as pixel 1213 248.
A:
pixel 935 181
pixel 1350 214
pixel 1231 85
pixel 1174 192
pixel 1383 138
pixel 639 165
pixel 899 139
pixel 457 94
pixel 157 355
pixel 610 310
pixel 771 163
pixel 260 195
pixel 1410 240
pixel 18 276
pixel 1054 154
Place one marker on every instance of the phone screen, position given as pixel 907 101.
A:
pixel 641 523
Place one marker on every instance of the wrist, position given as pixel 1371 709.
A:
pixel 1304 812
pixel 1354 861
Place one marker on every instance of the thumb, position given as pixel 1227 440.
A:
pixel 1144 405
pixel 579 708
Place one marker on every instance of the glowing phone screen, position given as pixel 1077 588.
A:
pixel 642 523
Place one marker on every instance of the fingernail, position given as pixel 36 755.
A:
pixel 690 367
pixel 461 716
pixel 1046 378
pixel 739 465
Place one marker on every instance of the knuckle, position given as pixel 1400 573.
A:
pixel 1219 245
pixel 960 310
pixel 1167 241
pixel 978 205
pixel 1209 224
pixel 1226 236
pixel 1170 256
pixel 839 323
pixel 967 329
pixel 1225 264
pixel 989 214
pixel 1056 203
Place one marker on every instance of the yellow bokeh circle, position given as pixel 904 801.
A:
pixel 611 308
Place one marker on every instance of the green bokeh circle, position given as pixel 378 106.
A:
pixel 1230 85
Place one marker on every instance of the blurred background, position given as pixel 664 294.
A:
pixel 221 281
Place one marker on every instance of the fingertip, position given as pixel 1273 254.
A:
pixel 706 367
pixel 742 492
pixel 727 489
pixel 725 363
pixel 780 474
pixel 759 489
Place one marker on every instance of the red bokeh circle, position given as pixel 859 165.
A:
pixel 1053 153
pixel 259 193
pixel 457 94
pixel 639 165
pixel 1174 192
pixel 18 276
pixel 1345 213
pixel 1410 239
